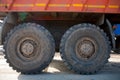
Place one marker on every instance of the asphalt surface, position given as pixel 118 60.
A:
pixel 58 71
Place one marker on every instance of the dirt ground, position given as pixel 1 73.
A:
pixel 58 71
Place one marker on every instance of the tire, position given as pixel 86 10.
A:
pixel 85 48
pixel 29 48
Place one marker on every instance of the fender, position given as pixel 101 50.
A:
pixel 111 34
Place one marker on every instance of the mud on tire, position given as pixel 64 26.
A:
pixel 85 48
pixel 29 48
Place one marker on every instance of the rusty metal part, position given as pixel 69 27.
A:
pixel 85 48
pixel 27 47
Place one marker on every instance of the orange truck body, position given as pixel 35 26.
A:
pixel 97 6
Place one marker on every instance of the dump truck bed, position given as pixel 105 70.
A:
pixel 98 6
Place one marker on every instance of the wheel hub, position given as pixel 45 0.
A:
pixel 27 48
pixel 85 48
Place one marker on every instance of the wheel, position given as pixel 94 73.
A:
pixel 29 48
pixel 85 48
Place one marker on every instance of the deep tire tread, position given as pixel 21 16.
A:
pixel 22 26
pixel 63 40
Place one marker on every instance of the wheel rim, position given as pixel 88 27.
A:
pixel 85 48
pixel 27 48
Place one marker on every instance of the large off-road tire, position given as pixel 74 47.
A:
pixel 85 48
pixel 29 48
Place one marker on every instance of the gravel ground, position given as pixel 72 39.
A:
pixel 58 71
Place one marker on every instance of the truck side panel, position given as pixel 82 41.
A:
pixel 98 6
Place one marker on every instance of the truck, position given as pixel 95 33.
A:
pixel 83 31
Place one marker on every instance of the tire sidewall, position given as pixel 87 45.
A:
pixel 97 60
pixel 44 55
